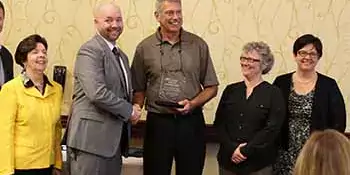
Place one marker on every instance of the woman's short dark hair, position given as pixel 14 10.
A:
pixel 306 39
pixel 27 45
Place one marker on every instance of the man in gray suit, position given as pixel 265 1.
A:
pixel 6 60
pixel 98 129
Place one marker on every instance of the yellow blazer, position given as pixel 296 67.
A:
pixel 30 127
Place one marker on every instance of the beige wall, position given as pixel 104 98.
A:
pixel 225 24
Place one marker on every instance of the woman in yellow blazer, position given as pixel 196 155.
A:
pixel 30 128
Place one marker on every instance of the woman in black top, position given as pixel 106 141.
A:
pixel 314 102
pixel 249 117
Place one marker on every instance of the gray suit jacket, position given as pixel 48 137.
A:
pixel 101 103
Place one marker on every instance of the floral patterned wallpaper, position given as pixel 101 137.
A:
pixel 225 24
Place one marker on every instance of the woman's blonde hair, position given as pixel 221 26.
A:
pixel 324 153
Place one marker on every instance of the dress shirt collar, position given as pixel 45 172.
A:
pixel 111 45
pixel 27 82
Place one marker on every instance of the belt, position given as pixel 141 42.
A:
pixel 177 115
pixel 165 115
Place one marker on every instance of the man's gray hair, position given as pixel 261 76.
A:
pixel 159 4
pixel 267 58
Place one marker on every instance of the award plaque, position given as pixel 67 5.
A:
pixel 172 87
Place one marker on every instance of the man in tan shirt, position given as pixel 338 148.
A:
pixel 173 66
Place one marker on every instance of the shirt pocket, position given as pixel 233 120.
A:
pixel 262 112
pixel 229 105
pixel 230 109
pixel 263 107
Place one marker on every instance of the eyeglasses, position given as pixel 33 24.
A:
pixel 249 59
pixel 303 53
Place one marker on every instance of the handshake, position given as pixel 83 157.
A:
pixel 136 114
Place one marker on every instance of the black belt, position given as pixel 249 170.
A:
pixel 165 115
pixel 177 115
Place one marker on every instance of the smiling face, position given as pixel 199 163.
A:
pixel 251 64
pixel 36 59
pixel 169 16
pixel 307 58
pixel 109 22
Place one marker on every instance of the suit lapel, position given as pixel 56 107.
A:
pixel 125 61
pixel 4 66
pixel 114 60
pixel 7 63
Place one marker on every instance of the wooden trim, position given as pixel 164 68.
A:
pixel 139 129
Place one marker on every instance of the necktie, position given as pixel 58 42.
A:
pixel 127 126
pixel 121 66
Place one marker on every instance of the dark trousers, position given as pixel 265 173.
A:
pixel 264 171
pixel 174 136
pixel 43 171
